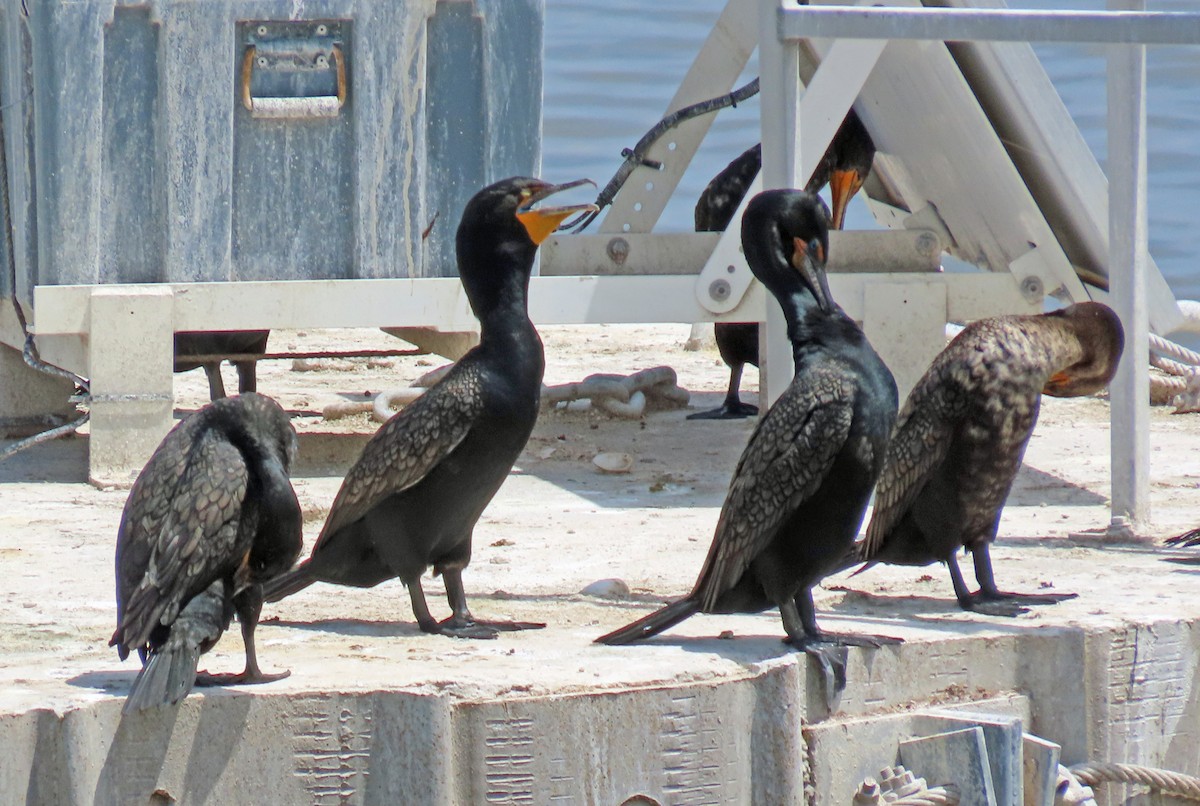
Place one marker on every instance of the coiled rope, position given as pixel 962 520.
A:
pixel 1169 783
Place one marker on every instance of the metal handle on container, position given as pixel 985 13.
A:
pixel 315 106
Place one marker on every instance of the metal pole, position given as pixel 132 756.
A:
pixel 779 76
pixel 1127 269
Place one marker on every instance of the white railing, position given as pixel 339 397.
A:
pixel 1129 29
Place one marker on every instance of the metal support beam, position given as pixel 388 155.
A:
pixel 779 83
pixel 1127 269
pixel 985 24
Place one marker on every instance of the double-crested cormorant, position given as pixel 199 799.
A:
pixel 414 495
pixel 844 167
pixel 210 517
pixel 963 430
pixel 801 487
pixel 221 342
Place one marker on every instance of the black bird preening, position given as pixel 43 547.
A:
pixel 801 487
pixel 962 433
pixel 210 517
pixel 844 167
pixel 189 346
pixel 412 499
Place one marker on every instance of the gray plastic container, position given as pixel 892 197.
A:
pixel 226 140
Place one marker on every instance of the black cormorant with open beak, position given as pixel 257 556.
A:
pixel 412 499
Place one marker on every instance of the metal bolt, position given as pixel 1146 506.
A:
pixel 868 794
pixel 322 61
pixel 618 250
pixel 720 290
pixel 261 30
pixel 1032 288
pixel 262 61
pixel 322 30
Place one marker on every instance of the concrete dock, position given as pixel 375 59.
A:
pixel 716 710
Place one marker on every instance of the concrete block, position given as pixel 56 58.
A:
pixel 1039 764
pixel 1003 737
pixel 835 774
pixel 734 743
pixel 959 757
pixel 130 362
pixel 448 344
pixel 30 399
pixel 906 324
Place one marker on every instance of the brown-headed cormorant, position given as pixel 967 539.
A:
pixel 844 167
pixel 210 517
pixel 221 342
pixel 801 487
pixel 962 433
pixel 414 495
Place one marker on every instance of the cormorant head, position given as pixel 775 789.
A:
pixel 507 210
pixel 1102 338
pixel 270 425
pixel 500 231
pixel 853 152
pixel 785 235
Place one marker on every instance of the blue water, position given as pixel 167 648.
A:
pixel 612 66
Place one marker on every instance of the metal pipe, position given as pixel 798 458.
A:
pixel 1127 269
pixel 985 24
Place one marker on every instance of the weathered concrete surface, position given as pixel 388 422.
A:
pixel 376 712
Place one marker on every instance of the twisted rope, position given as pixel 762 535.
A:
pixel 1173 350
pixel 947 795
pixel 1165 781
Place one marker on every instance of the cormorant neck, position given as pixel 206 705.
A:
pixel 803 316
pixel 497 283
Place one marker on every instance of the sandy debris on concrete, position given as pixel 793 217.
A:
pixel 558 525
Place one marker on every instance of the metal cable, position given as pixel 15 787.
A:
pixel 1169 783
pixel 636 156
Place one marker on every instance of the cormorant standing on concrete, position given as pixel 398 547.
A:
pixel 221 342
pixel 414 495
pixel 801 487
pixel 844 167
pixel 962 433
pixel 210 517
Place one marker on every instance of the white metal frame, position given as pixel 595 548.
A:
pixel 1129 29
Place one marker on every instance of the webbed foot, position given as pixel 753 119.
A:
pixel 244 678
pixel 727 411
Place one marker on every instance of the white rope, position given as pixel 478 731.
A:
pixel 1165 781
pixel 1173 350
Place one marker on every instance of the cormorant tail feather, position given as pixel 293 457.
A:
pixel 652 624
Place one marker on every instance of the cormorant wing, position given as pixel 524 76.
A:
pixel 920 443
pixel 182 529
pixel 407 447
pixel 785 462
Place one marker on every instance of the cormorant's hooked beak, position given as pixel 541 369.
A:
pixel 808 258
pixel 1056 384
pixel 540 223
pixel 843 184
